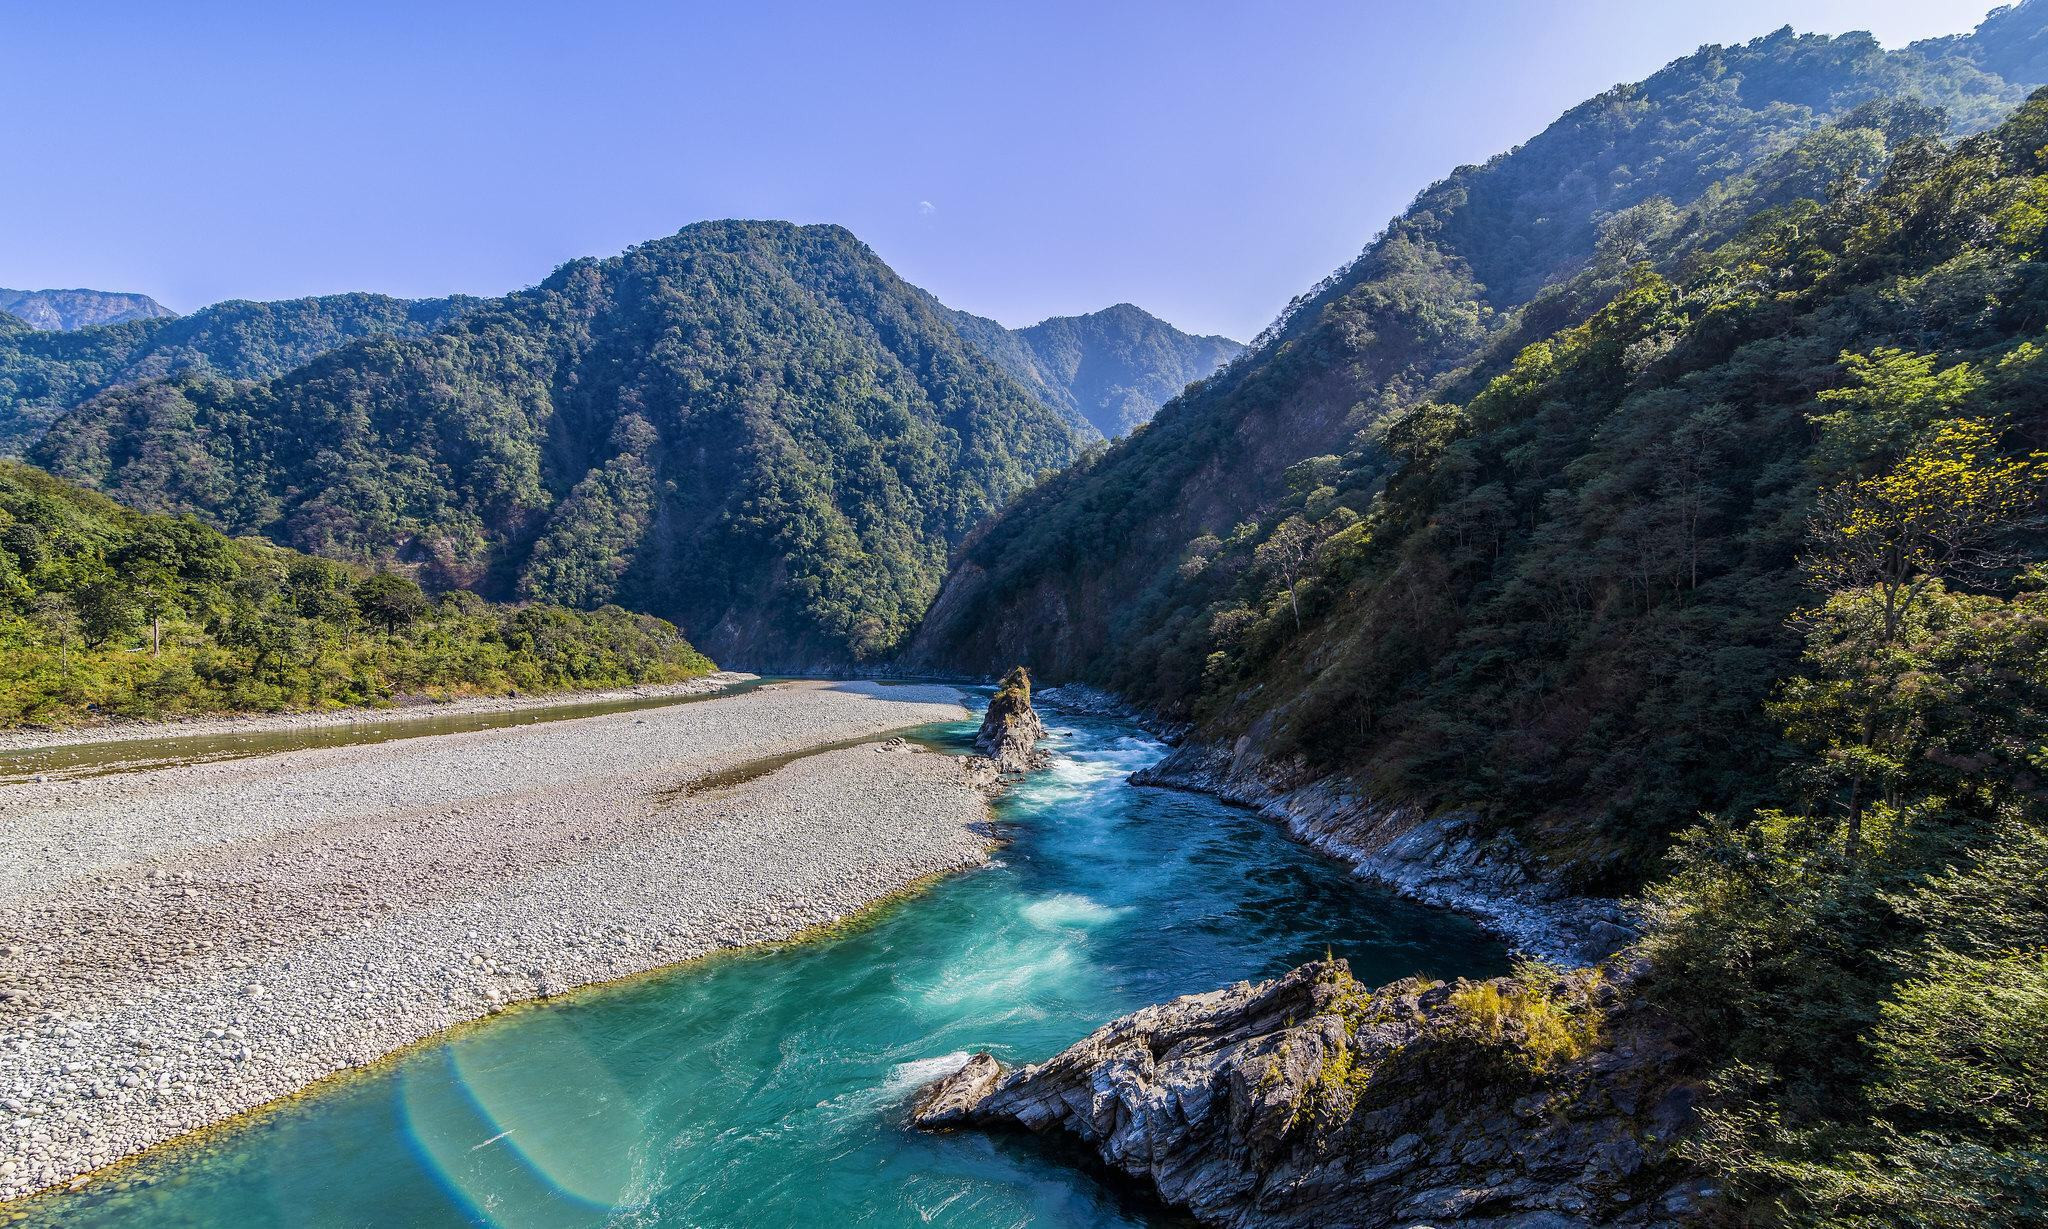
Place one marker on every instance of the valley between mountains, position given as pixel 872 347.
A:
pixel 1628 575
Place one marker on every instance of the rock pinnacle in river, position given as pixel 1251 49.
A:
pixel 1011 730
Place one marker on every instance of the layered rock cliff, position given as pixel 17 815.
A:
pixel 1539 1101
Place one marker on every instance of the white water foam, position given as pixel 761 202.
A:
pixel 1068 910
pixel 906 1078
pixel 1007 978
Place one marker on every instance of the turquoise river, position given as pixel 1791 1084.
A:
pixel 771 1088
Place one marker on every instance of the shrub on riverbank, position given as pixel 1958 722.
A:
pixel 105 611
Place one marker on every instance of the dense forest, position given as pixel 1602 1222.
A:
pixel 756 429
pixel 106 612
pixel 43 373
pixel 1866 958
pixel 1110 370
pixel 1634 528
pixel 1763 538
pixel 1082 577
pixel 1695 539
pixel 1089 576
pixel 78 309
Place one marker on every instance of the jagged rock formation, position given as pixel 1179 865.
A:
pixel 1011 729
pixel 1538 1101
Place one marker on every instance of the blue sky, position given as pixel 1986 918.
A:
pixel 1205 161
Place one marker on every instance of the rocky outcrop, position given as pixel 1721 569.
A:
pixel 1539 1101
pixel 1442 860
pixel 1091 701
pixel 1011 729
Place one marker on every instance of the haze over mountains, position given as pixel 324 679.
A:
pixel 78 309
pixel 44 373
pixel 1113 368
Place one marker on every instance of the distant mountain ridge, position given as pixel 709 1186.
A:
pixel 78 309
pixel 1111 369
pixel 1106 371
pixel 44 373
pixel 756 428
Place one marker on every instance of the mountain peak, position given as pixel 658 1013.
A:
pixel 756 427
pixel 1107 370
pixel 715 231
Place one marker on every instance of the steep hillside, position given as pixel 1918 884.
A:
pixel 1759 550
pixel 44 374
pixel 1566 607
pixel 2010 44
pixel 1084 578
pixel 753 428
pixel 1111 369
pixel 78 309
pixel 105 611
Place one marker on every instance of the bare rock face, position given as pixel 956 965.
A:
pixel 1538 1101
pixel 1010 731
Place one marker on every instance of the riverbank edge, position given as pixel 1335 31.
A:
pixel 30 738
pixel 1439 860
pixel 979 777
pixel 216 1132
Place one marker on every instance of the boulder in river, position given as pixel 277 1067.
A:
pixel 1011 729
pixel 1543 1099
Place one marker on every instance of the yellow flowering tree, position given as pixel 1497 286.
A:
pixel 1945 511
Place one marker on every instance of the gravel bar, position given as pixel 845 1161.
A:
pixel 181 945
pixel 35 739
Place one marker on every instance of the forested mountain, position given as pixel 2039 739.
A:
pixel 43 374
pixel 2009 43
pixel 1084 577
pixel 78 309
pixel 1768 540
pixel 1561 592
pixel 109 612
pixel 1689 542
pixel 1111 369
pixel 754 428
